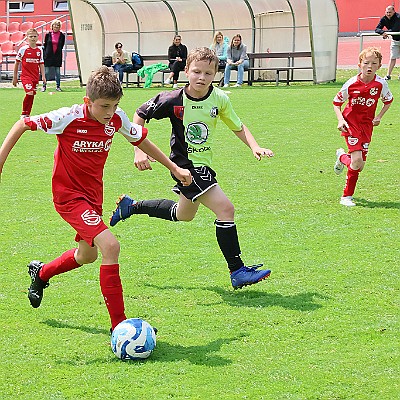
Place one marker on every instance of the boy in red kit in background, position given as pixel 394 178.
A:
pixel 30 57
pixel 358 118
pixel 84 134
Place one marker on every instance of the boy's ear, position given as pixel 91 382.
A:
pixel 86 100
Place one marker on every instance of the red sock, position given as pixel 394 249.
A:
pixel 351 181
pixel 345 159
pixel 66 262
pixel 27 104
pixel 111 288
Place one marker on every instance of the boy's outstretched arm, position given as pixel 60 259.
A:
pixel 9 142
pixel 247 138
pixel 153 151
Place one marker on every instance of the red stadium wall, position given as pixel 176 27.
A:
pixel 351 10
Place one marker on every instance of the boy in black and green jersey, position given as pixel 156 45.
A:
pixel 193 111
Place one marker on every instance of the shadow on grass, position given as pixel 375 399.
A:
pixel 377 204
pixel 300 301
pixel 198 355
pixel 88 329
pixel 165 352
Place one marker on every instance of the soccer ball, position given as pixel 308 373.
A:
pixel 133 339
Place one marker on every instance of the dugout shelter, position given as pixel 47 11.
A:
pixel 148 27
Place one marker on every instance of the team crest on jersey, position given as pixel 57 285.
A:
pixel 109 130
pixel 90 217
pixel 352 140
pixel 197 132
pixel 178 112
pixel 373 91
pixel 214 112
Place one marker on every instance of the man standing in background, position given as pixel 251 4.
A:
pixel 390 21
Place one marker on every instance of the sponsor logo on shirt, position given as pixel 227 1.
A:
pixel 362 101
pixel 197 132
pixel 90 217
pixel 32 60
pixel 191 150
pixel 86 146
pixel 197 107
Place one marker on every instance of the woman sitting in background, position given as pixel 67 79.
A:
pixel 236 59
pixel 122 61
pixel 220 48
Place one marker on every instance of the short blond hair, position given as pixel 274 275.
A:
pixel 202 54
pixel 103 83
pixel 55 22
pixel 371 50
pixel 31 31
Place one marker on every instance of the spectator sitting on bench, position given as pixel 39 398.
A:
pixel 236 59
pixel 122 61
pixel 177 54
pixel 220 48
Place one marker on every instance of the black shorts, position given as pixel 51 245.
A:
pixel 203 179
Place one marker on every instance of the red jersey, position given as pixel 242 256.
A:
pixel 30 59
pixel 82 150
pixel 362 100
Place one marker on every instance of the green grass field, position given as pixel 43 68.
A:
pixel 324 326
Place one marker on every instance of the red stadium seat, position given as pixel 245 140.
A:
pixel 7 48
pixel 25 26
pixel 13 27
pixel 4 37
pixel 39 24
pixel 3 26
pixel 17 37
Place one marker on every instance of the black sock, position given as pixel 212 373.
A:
pixel 162 208
pixel 228 241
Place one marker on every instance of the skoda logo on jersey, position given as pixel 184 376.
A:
pixel 214 112
pixel 197 132
pixel 109 130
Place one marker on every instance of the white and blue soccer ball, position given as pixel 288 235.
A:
pixel 133 339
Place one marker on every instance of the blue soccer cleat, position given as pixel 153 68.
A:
pixel 246 276
pixel 124 209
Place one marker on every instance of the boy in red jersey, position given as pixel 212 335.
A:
pixel 358 118
pixel 85 133
pixel 30 57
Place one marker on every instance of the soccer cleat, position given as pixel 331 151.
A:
pixel 338 167
pixel 124 209
pixel 35 291
pixel 167 81
pixel 43 89
pixel 58 89
pixel 387 77
pixel 246 276
pixel 347 201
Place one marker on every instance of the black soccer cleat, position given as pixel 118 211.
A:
pixel 35 291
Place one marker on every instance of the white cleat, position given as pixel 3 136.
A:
pixel 338 167
pixel 347 201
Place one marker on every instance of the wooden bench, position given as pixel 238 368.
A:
pixel 288 68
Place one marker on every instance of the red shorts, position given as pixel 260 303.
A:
pixel 358 138
pixel 84 218
pixel 29 85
